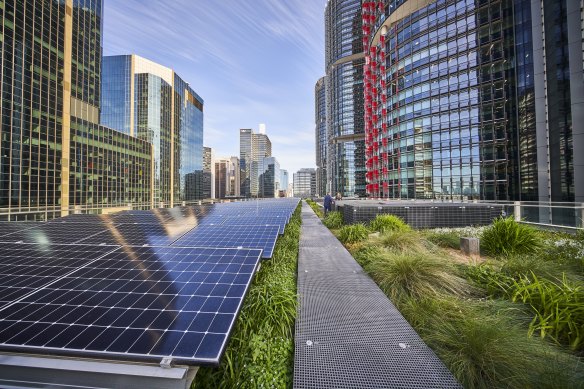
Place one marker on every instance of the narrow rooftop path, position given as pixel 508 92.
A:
pixel 348 333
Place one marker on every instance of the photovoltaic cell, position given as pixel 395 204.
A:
pixel 83 218
pixel 138 234
pixel 260 237
pixel 25 268
pixel 7 228
pixel 137 303
pixel 55 233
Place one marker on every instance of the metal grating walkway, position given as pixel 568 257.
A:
pixel 348 333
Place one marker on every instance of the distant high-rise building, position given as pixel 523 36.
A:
pixel 304 182
pixel 150 101
pixel 284 182
pixel 481 100
pixel 227 178
pixel 253 149
pixel 55 157
pixel 269 178
pixel 208 190
pixel 321 140
pixel 344 97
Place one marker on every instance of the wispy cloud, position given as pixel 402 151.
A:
pixel 252 61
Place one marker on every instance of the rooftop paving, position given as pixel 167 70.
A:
pixel 348 333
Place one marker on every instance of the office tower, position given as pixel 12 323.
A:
pixel 208 177
pixel 320 135
pixel 253 148
pixel 344 97
pixel 269 178
pixel 304 181
pixel 151 102
pixel 474 100
pixel 284 183
pixel 55 157
pixel 245 147
pixel 227 177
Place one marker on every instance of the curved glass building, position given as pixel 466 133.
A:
pixel 451 90
pixel 321 136
pixel 344 97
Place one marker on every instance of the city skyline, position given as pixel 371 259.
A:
pixel 242 73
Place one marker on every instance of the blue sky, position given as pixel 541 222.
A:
pixel 252 61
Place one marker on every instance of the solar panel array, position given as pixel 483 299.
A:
pixel 137 285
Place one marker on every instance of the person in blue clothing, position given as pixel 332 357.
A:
pixel 328 202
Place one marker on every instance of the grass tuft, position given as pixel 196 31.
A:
pixel 507 238
pixel 353 233
pixel 383 223
pixel 333 220
pixel 415 275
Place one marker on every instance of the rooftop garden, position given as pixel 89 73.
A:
pixel 511 317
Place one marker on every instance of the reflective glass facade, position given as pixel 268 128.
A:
pixel 457 105
pixel 321 140
pixel 344 97
pixel 253 148
pixel 151 102
pixel 269 180
pixel 54 160
pixel 440 101
pixel 304 182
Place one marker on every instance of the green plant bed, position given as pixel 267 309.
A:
pixel 478 318
pixel 261 348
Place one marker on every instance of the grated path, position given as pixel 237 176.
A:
pixel 348 333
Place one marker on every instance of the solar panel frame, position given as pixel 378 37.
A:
pixel 81 329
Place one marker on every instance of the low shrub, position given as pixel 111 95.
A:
pixel 383 223
pixel 566 251
pixel 353 233
pixel 449 240
pixel 507 238
pixel 333 220
pixel 558 307
pixel 415 275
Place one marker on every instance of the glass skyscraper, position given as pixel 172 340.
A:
pixel 253 148
pixel 344 97
pixel 151 102
pixel 321 140
pixel 458 105
pixel 55 157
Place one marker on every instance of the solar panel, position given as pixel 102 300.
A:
pixel 280 221
pixel 83 218
pixel 140 234
pixel 136 303
pixel 260 237
pixel 26 267
pixel 140 218
pixel 46 233
pixel 7 228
